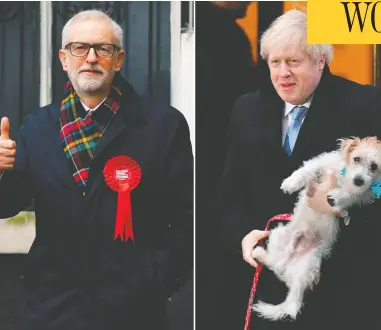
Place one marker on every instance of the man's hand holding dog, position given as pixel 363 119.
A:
pixel 248 244
pixel 317 194
pixel 7 146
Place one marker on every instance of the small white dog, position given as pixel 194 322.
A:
pixel 295 251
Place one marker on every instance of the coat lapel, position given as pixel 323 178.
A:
pixel 273 109
pixel 116 127
pixel 130 113
pixel 50 134
pixel 317 133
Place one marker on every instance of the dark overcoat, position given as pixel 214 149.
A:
pixel 347 296
pixel 76 275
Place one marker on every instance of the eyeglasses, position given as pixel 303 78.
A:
pixel 81 49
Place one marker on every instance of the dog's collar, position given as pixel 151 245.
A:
pixel 375 185
pixel 376 188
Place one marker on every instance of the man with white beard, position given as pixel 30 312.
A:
pixel 111 176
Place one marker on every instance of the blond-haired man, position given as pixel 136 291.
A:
pixel 299 112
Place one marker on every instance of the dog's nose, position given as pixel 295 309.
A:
pixel 358 181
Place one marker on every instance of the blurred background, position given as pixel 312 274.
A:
pixel 159 41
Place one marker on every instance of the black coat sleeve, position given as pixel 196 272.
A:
pixel 231 204
pixel 15 186
pixel 180 178
pixel 176 262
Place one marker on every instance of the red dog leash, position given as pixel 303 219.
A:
pixel 279 217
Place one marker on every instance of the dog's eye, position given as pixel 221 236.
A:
pixel 373 167
pixel 356 160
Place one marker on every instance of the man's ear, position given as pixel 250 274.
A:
pixel 63 59
pixel 322 62
pixel 119 61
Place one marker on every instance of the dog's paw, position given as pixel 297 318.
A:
pixel 258 253
pixel 291 309
pixel 272 312
pixel 333 199
pixel 290 185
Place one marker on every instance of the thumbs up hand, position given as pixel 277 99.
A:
pixel 7 146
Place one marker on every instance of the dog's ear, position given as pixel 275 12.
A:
pixel 346 146
pixel 373 140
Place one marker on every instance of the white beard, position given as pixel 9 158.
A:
pixel 87 83
pixel 91 84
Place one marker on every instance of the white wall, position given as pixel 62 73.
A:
pixel 46 52
pixel 183 69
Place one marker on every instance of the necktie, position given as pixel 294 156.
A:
pixel 298 113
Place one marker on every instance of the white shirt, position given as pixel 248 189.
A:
pixel 287 116
pixel 95 108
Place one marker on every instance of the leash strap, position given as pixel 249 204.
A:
pixel 279 217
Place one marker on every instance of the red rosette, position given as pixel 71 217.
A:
pixel 122 174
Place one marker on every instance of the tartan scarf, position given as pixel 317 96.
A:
pixel 82 130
